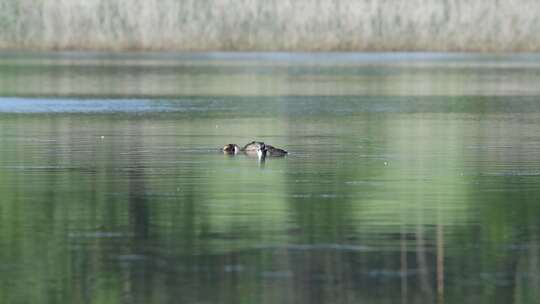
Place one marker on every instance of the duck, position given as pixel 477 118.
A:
pixel 253 148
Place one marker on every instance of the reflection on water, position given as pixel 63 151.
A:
pixel 383 199
pixel 267 74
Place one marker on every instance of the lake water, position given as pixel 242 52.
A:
pixel 411 178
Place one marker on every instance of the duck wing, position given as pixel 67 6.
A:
pixel 273 151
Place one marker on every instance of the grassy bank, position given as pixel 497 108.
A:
pixel 284 25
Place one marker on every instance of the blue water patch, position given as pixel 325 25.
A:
pixel 64 105
pixel 266 106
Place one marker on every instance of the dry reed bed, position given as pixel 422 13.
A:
pixel 284 25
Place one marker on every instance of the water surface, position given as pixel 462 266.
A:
pixel 422 188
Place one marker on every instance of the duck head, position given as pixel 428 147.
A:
pixel 231 149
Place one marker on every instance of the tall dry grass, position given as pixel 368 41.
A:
pixel 288 25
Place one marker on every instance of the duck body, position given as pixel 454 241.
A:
pixel 255 148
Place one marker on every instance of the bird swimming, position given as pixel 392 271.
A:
pixel 258 148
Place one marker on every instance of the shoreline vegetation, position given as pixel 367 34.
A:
pixel 284 25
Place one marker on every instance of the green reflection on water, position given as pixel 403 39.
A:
pixel 267 74
pixel 382 199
